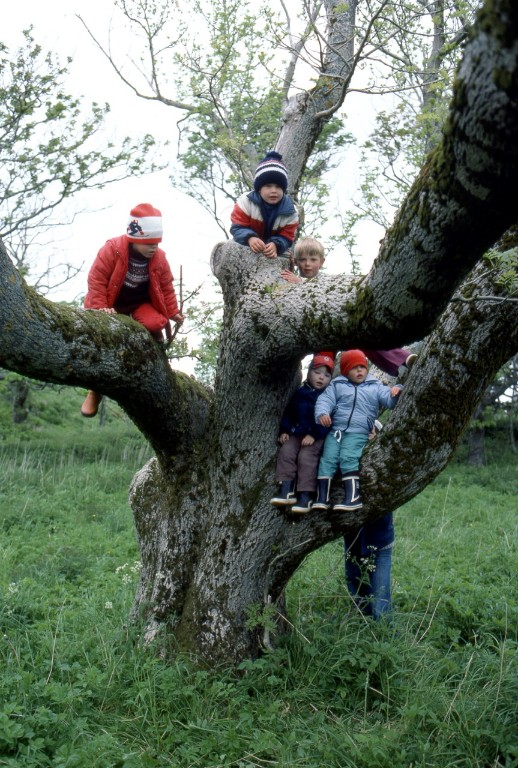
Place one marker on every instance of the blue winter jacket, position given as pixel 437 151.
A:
pixel 354 407
pixel 299 415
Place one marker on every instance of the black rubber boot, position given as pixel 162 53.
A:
pixel 352 499
pixel 323 488
pixel 286 496
pixel 304 503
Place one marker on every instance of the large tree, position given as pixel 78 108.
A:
pixel 212 547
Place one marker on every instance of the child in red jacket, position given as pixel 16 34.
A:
pixel 131 276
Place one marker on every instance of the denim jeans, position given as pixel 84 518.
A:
pixel 368 580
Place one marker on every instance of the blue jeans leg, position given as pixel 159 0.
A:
pixel 369 582
pixel 381 601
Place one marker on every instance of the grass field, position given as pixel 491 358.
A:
pixel 437 687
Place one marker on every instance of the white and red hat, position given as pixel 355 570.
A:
pixel 145 225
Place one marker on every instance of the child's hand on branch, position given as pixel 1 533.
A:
pixel 290 276
pixel 256 244
pixel 270 251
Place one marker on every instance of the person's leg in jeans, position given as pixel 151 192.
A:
pixel 380 594
pixel 369 579
pixel 357 581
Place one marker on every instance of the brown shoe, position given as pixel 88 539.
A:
pixel 91 404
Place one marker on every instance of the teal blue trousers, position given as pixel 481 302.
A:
pixel 341 449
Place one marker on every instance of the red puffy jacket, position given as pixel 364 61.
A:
pixel 109 269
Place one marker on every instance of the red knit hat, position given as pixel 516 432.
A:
pixel 351 359
pixel 323 358
pixel 145 225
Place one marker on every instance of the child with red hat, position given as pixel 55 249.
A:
pixel 301 439
pixel 131 276
pixel 349 407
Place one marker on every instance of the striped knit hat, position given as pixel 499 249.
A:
pixel 271 170
pixel 145 225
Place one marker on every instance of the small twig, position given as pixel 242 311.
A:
pixel 173 335
pixel 54 642
pixel 473 299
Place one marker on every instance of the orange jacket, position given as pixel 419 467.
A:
pixel 109 269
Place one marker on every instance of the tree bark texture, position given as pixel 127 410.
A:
pixel 213 549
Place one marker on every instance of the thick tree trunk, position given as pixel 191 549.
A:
pixel 461 357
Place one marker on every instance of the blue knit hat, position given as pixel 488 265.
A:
pixel 271 170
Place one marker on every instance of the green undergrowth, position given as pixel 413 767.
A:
pixel 437 686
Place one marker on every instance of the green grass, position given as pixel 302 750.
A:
pixel 437 687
